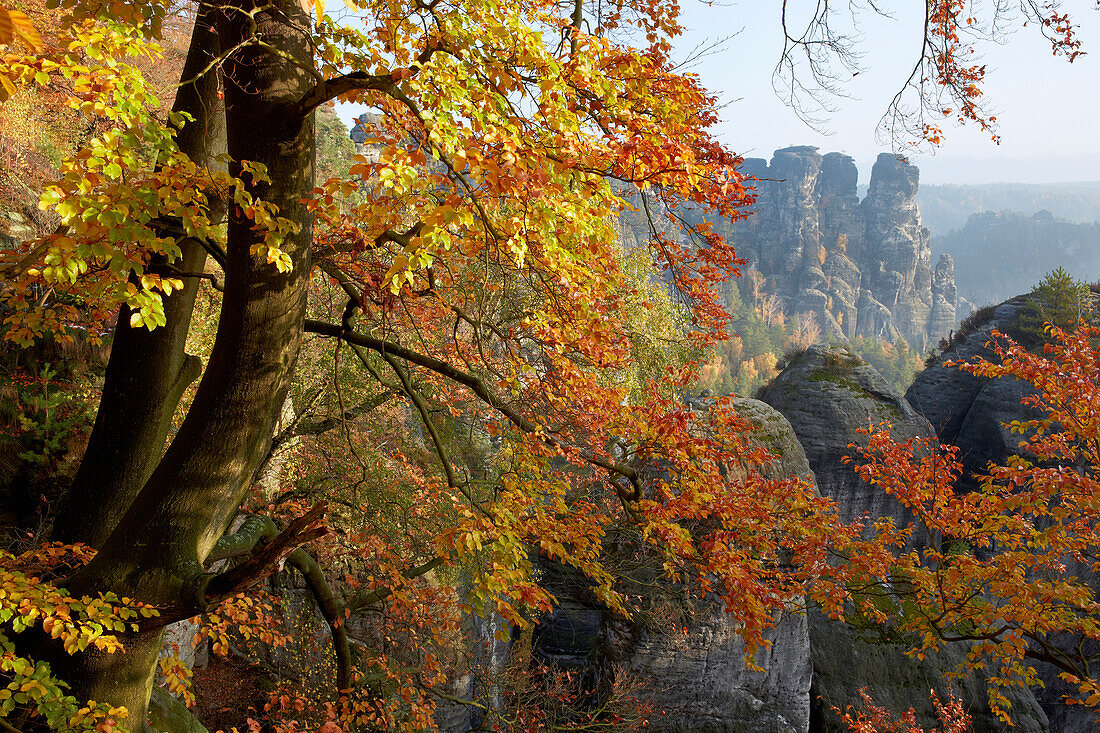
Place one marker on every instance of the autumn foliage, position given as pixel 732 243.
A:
pixel 867 717
pixel 1007 569
pixel 447 346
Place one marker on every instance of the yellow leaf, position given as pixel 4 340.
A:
pixel 14 23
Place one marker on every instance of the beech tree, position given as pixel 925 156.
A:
pixel 477 255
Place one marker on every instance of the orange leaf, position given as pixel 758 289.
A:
pixel 16 24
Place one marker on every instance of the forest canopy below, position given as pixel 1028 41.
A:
pixel 1001 253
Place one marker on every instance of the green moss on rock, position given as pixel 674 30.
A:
pixel 169 715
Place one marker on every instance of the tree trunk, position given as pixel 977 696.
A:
pixel 148 370
pixel 155 552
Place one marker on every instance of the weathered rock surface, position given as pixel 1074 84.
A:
pixel 967 411
pixel 847 659
pixel 896 257
pixel 945 297
pixel 971 413
pixel 827 393
pixel 861 268
pixel 700 681
pixel 698 678
pixel 169 715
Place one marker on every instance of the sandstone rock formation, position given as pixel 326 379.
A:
pixel 971 413
pixel 698 676
pixel 861 268
pixel 827 393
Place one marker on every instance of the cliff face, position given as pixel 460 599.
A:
pixel 861 268
pixel 827 394
pixel 698 674
pixel 974 414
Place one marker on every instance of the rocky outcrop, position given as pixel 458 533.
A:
pixel 861 268
pixel 946 306
pixel 896 257
pixel 700 681
pixel 972 413
pixel 827 394
pixel 847 659
pixel 697 675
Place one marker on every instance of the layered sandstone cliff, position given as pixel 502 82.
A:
pixel 862 268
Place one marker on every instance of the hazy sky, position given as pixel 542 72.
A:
pixel 1048 109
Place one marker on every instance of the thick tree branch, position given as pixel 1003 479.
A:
pixel 331 607
pixel 402 239
pixel 259 528
pixel 329 89
pixel 304 529
pixel 252 531
pixel 332 88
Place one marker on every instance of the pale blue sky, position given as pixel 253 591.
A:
pixel 1048 109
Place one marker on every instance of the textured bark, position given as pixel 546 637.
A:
pixel 156 551
pixel 148 370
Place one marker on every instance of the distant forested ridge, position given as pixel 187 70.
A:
pixel 1000 253
pixel 946 207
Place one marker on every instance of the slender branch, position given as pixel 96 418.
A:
pixel 201 276
pixel 475 385
pixel 323 426
pixel 366 598
pixel 216 61
pixel 422 408
pixel 291 431
pixel 14 269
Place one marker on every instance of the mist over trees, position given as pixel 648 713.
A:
pixel 946 207
pixel 999 254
